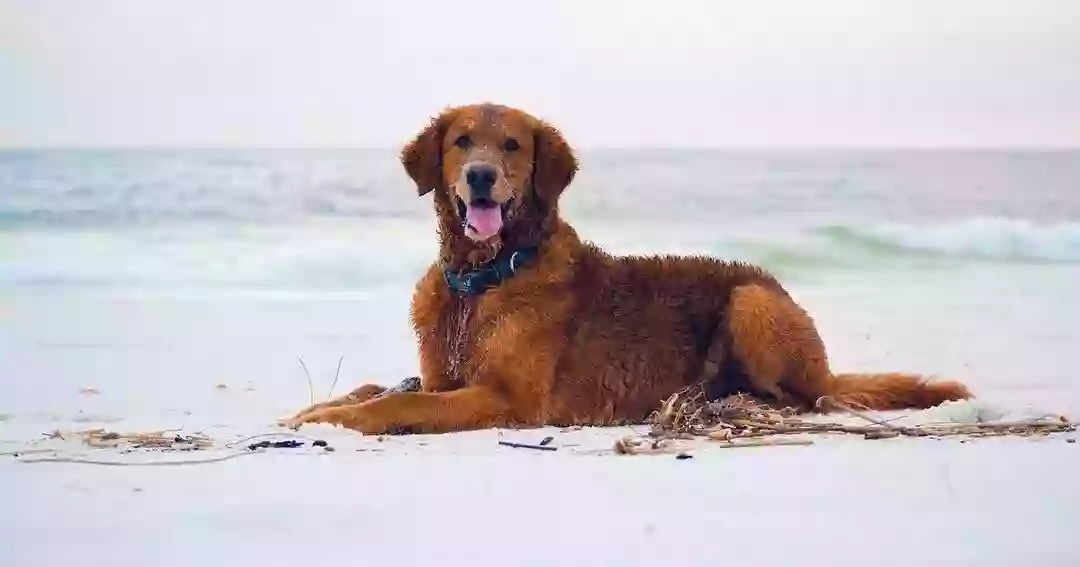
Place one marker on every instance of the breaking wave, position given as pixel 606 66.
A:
pixel 984 239
pixel 388 252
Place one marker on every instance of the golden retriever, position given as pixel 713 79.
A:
pixel 520 323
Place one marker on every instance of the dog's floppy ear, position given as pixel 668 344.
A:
pixel 555 163
pixel 422 157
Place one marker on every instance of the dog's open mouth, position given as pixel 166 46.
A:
pixel 483 218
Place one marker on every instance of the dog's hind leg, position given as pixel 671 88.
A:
pixel 783 356
pixel 778 346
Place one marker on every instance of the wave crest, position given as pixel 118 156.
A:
pixel 380 252
pixel 982 239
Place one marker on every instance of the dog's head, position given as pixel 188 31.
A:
pixel 492 162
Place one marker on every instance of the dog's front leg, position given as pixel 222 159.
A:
pixel 474 407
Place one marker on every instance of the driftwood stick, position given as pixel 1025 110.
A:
pixel 881 434
pixel 912 431
pixel 528 446
pixel 763 442
pixel 630 446
pixel 803 427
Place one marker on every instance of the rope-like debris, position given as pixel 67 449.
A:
pixel 168 440
pixel 743 421
pixel 81 461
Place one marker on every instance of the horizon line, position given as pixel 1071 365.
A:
pixel 583 148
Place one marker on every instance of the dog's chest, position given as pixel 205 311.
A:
pixel 488 330
pixel 457 333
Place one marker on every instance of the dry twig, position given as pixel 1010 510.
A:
pixel 833 402
pixel 337 374
pixel 764 442
pixel 310 384
pixel 528 446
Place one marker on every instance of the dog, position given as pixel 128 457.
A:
pixel 520 323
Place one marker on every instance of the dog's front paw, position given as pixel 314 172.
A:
pixel 301 417
pixel 293 423
pixel 349 417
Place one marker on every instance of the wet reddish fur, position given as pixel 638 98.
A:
pixel 582 337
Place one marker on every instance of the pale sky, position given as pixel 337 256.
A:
pixel 610 73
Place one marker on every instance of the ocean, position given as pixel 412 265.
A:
pixel 184 283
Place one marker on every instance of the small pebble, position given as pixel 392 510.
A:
pixel 683 457
pixel 1070 440
pixel 329 449
pixel 319 443
pixel 546 440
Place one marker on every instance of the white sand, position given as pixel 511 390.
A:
pixel 463 499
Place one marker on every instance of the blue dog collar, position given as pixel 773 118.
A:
pixel 502 268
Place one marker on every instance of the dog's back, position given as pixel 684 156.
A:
pixel 645 326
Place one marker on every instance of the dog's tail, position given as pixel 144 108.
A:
pixel 893 391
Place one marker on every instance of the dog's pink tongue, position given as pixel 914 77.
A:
pixel 486 221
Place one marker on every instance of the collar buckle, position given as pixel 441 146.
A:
pixel 514 262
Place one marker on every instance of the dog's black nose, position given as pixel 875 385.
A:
pixel 480 179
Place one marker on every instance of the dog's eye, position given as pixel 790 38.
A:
pixel 512 145
pixel 462 142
